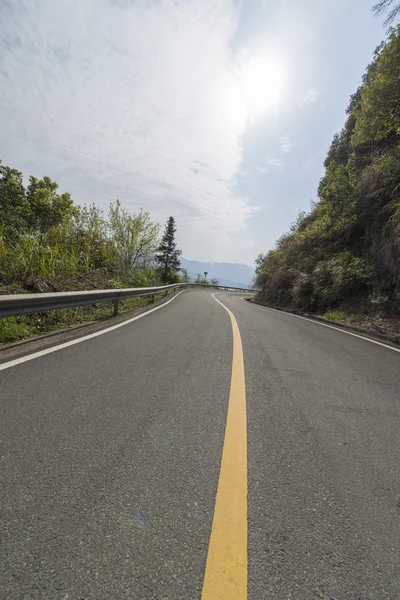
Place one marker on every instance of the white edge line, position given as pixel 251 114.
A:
pixel 329 326
pixel 17 361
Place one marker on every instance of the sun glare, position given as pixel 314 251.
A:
pixel 257 86
pixel 260 84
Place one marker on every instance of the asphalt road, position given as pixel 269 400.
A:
pixel 111 454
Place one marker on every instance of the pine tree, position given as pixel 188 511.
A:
pixel 168 255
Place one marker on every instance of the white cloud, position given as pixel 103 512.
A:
pixel 275 162
pixel 116 98
pixel 286 145
pixel 309 97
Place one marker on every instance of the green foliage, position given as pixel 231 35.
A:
pixel 340 316
pixel 47 208
pixel 168 255
pixel 14 329
pixel 49 244
pixel 135 238
pixel 13 202
pixel 347 247
pixel 39 207
pixel 378 113
pixel 342 275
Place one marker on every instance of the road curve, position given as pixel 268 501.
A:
pixel 111 456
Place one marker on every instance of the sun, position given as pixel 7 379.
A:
pixel 257 87
pixel 260 84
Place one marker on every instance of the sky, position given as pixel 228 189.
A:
pixel 218 112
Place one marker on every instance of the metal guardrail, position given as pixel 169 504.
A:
pixel 15 305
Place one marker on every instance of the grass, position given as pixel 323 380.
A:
pixel 14 328
pixel 32 256
pixel 17 328
pixel 340 316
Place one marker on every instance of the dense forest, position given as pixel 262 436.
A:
pixel 344 255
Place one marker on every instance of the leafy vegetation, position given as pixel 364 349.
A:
pixel 344 255
pixel 48 244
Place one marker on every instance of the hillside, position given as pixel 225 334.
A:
pixel 343 257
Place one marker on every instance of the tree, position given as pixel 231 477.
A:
pixel 47 208
pixel 383 6
pixel 377 113
pixel 184 275
pixel 214 281
pixel 135 238
pixel 205 275
pixel 13 203
pixel 168 255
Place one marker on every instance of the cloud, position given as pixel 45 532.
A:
pixel 309 97
pixel 286 145
pixel 123 98
pixel 276 163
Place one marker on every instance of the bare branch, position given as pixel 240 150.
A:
pixel 384 7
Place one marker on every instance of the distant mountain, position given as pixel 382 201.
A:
pixel 235 274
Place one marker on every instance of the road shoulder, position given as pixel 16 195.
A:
pixel 34 344
pixel 387 340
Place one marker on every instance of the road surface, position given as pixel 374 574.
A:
pixel 111 453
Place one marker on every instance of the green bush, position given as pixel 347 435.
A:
pixel 47 244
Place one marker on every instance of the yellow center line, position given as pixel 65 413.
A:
pixel 226 569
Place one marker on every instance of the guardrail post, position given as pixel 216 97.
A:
pixel 115 311
pixel 153 297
